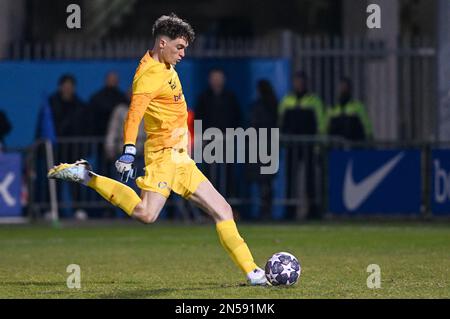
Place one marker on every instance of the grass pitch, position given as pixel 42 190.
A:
pixel 177 261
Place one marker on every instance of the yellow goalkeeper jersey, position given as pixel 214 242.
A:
pixel 158 99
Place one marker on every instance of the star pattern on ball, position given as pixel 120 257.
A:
pixel 283 269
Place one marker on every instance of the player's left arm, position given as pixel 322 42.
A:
pixel 145 88
pixel 138 106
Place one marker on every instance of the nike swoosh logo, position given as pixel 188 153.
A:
pixel 356 193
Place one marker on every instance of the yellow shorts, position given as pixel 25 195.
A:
pixel 169 170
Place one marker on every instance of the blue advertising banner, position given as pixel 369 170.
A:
pixel 374 182
pixel 10 185
pixel 440 182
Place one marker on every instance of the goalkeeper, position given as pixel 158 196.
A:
pixel 158 99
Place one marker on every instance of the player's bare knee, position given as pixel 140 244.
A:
pixel 139 209
pixel 224 212
pixel 149 218
pixel 146 217
pixel 145 214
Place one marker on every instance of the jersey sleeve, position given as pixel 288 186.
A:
pixel 138 106
pixel 145 87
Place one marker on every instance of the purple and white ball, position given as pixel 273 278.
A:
pixel 283 269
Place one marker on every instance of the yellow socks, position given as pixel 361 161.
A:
pixel 116 193
pixel 236 247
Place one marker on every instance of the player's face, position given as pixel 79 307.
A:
pixel 174 50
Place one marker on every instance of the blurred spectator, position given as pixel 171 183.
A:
pixel 114 133
pixel 62 116
pixel 301 113
pixel 67 109
pixel 219 108
pixel 101 105
pixel 348 118
pixel 263 114
pixel 103 102
pixel 5 128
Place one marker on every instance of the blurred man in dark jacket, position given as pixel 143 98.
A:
pixel 263 115
pixel 301 113
pixel 348 119
pixel 103 102
pixel 68 114
pixel 218 107
pixel 67 108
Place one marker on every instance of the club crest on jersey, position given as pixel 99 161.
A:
pixel 162 185
pixel 173 84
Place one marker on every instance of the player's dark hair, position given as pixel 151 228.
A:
pixel 173 27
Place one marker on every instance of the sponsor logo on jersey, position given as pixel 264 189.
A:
pixel 178 97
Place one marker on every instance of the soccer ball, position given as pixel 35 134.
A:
pixel 283 269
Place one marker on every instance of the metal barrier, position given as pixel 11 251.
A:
pixel 299 190
pixel 396 81
pixel 52 199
